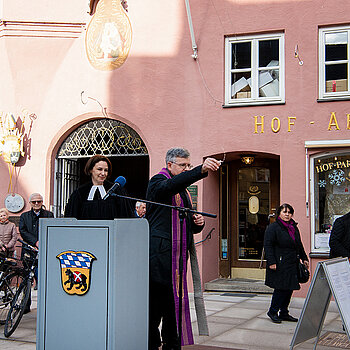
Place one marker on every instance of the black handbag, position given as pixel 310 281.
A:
pixel 303 273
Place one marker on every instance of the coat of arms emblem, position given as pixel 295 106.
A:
pixel 75 271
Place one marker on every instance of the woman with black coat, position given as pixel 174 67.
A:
pixel 87 203
pixel 283 250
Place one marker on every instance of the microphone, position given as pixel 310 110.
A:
pixel 120 182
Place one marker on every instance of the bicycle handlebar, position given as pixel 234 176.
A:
pixel 28 245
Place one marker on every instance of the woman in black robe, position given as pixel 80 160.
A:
pixel 86 202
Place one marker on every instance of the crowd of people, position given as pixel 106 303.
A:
pixel 169 250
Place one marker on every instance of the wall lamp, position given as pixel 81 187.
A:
pixel 247 159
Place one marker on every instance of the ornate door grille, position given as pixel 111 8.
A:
pixel 101 136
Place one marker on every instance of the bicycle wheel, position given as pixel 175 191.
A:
pixel 18 305
pixel 8 288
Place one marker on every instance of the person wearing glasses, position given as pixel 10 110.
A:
pixel 29 220
pixel 169 186
pixel 29 226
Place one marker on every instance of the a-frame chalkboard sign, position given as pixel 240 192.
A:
pixel 331 277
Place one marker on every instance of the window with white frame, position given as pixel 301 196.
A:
pixel 334 62
pixel 330 195
pixel 254 69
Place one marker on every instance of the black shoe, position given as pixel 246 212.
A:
pixel 274 317
pixel 288 318
pixel 26 311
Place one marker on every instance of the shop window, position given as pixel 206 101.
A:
pixel 330 175
pixel 254 70
pixel 334 62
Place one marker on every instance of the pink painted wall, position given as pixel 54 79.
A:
pixel 166 96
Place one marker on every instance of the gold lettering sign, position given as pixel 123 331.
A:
pixel 278 126
pixel 332 165
pixel 333 122
pixel 290 122
pixel 276 123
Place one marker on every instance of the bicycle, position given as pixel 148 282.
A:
pixel 19 302
pixel 11 276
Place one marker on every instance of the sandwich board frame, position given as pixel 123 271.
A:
pixel 331 278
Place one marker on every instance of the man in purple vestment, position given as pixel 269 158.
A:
pixel 169 186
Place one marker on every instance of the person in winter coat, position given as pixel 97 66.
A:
pixel 8 233
pixel 29 228
pixel 283 249
pixel 339 240
pixel 29 220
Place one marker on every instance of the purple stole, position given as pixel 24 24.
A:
pixel 186 333
pixel 289 226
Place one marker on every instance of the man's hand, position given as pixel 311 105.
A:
pixel 198 219
pixel 273 267
pixel 211 164
pixel 306 263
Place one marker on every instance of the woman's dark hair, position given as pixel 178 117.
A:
pixel 284 206
pixel 95 159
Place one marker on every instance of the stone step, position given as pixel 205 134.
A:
pixel 237 285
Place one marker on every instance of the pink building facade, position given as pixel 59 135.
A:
pixel 271 81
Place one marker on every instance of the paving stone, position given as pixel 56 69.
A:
pixel 239 313
pixel 235 322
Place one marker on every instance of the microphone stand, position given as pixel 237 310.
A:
pixel 183 212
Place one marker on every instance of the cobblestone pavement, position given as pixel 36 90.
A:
pixel 236 321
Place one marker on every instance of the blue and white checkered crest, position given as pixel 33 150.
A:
pixel 75 271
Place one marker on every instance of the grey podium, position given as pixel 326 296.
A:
pixel 93 284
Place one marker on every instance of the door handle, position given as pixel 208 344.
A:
pixel 273 214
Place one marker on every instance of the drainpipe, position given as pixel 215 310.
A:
pixel 307 180
pixel 189 17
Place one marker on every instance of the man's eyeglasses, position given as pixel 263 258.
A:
pixel 36 202
pixel 184 165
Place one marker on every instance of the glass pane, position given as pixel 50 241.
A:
pixel 269 53
pixel 336 52
pixel 332 194
pixel 336 46
pixel 336 38
pixel 336 77
pixel 269 83
pixel 241 85
pixel 241 55
pixel 253 209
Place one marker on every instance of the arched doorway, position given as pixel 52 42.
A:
pixel 111 138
